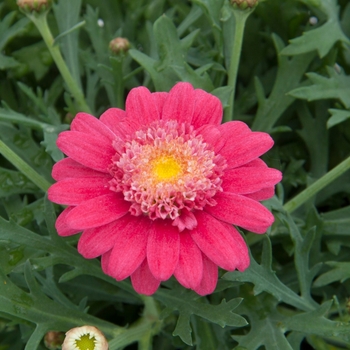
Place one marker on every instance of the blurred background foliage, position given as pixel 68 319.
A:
pixel 293 82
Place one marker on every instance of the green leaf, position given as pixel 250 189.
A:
pixel 340 272
pixel 36 58
pixel 37 308
pixel 271 108
pixel 321 39
pixel 67 16
pixel 7 62
pixel 313 130
pixel 337 222
pixel 337 86
pixel 338 116
pixel 8 32
pixel 184 302
pixel 265 280
pixel 266 325
pixel 14 182
pixel 50 138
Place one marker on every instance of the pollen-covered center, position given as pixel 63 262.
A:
pixel 166 169
pixel 85 342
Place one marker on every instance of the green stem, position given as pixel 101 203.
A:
pixel 117 66
pixel 240 20
pixel 41 23
pixel 317 186
pixel 23 167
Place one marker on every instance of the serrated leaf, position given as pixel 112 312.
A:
pixel 265 280
pixel 340 272
pixel 37 308
pixel 338 116
pixel 183 301
pixel 337 86
pixel 50 138
pixel 321 39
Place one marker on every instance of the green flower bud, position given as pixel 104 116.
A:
pixel 34 5
pixel 244 4
pixel 119 45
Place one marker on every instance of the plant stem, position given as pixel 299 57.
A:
pixel 41 23
pixel 317 186
pixel 240 20
pixel 23 167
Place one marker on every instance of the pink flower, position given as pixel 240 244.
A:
pixel 157 188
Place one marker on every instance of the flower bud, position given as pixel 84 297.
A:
pixel 85 338
pixel 53 340
pixel 34 5
pixel 244 4
pixel 119 45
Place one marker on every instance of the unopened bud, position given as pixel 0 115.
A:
pixel 85 338
pixel 34 5
pixel 53 340
pixel 244 4
pixel 119 45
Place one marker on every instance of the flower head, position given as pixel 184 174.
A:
pixel 157 188
pixel 119 45
pixel 244 4
pixel 34 5
pixel 85 338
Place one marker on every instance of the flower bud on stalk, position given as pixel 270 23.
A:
pixel 85 338
pixel 34 5
pixel 53 340
pixel 244 4
pixel 119 45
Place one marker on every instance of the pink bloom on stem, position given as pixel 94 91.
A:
pixel 157 188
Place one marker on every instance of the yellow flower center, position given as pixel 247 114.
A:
pixel 166 168
pixel 85 342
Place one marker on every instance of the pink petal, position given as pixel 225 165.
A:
pixel 105 261
pixel 256 163
pixel 140 107
pixel 69 168
pixel 207 109
pixel 241 211
pixel 189 270
pixel 97 241
pixel 86 149
pixel 241 149
pixel 179 105
pixel 115 119
pixel 63 229
pixel 212 136
pixel 262 195
pixel 210 278
pixel 129 250
pixel 159 99
pixel 186 220
pixel 88 124
pixel 143 280
pixel 250 179
pixel 75 191
pixel 98 211
pixel 215 240
pixel 163 249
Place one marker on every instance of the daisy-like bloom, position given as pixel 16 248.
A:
pixel 157 188
pixel 85 338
